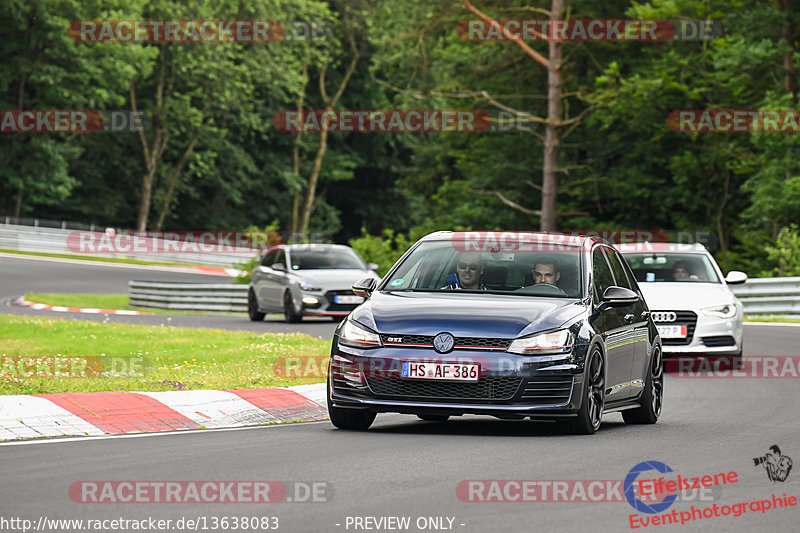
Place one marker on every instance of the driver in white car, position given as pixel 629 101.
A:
pixel 546 271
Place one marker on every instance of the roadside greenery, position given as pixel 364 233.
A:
pixel 43 355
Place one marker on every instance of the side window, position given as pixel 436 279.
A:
pixel 619 269
pixel 280 258
pixel 268 259
pixel 601 273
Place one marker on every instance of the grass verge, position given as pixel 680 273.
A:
pixel 42 355
pixel 117 302
pixel 86 257
pixel 771 318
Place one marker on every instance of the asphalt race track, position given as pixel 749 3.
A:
pixel 18 276
pixel 404 467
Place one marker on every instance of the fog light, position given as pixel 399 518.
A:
pixel 310 300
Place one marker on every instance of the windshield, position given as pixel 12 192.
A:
pixel 331 258
pixel 671 267
pixel 450 266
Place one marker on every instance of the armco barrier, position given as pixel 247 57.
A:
pixel 54 241
pixel 769 296
pixel 760 296
pixel 219 297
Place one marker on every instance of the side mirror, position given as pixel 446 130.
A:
pixel 372 266
pixel 278 266
pixel 618 297
pixel 735 277
pixel 364 287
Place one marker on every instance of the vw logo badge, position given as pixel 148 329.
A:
pixel 664 316
pixel 443 342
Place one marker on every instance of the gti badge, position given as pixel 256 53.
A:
pixel 443 342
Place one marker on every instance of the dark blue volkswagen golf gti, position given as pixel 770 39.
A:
pixel 507 324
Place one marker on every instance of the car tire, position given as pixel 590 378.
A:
pixel 590 413
pixel 289 313
pixel 348 418
pixel 252 307
pixel 653 395
pixel 434 418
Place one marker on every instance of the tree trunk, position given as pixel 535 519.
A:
pixel 296 154
pixel 173 179
pixel 551 139
pixel 313 179
pixel 152 154
pixel 330 103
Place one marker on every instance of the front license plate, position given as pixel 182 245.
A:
pixel 449 371
pixel 672 332
pixel 348 299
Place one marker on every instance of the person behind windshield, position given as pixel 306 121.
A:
pixel 546 271
pixel 469 270
pixel 681 272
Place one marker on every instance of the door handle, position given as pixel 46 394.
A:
pixel 645 314
pixel 629 318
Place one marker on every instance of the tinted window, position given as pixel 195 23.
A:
pixel 670 267
pixel 619 270
pixel 327 258
pixel 268 259
pixel 602 273
pixel 280 258
pixel 447 265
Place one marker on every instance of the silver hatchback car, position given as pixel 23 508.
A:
pixel 307 280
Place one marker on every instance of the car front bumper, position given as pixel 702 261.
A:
pixel 509 386
pixel 710 335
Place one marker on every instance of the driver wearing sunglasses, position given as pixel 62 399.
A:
pixel 469 270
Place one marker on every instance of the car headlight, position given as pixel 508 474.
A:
pixel 306 286
pixel 358 336
pixel 543 343
pixel 721 311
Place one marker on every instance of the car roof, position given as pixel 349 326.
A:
pixel 308 246
pixel 662 248
pixel 554 237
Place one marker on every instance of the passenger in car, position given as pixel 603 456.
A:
pixel 469 270
pixel 546 270
pixel 680 271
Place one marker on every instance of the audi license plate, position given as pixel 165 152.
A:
pixel 348 299
pixel 449 371
pixel 672 332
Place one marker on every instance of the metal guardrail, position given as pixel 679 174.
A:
pixel 760 296
pixel 55 241
pixel 215 297
pixel 769 296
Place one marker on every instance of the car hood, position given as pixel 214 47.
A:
pixel 333 278
pixel 685 295
pixel 467 315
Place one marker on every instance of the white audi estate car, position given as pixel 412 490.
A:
pixel 691 302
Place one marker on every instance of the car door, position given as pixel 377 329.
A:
pixel 637 315
pixel 258 277
pixel 616 333
pixel 273 283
